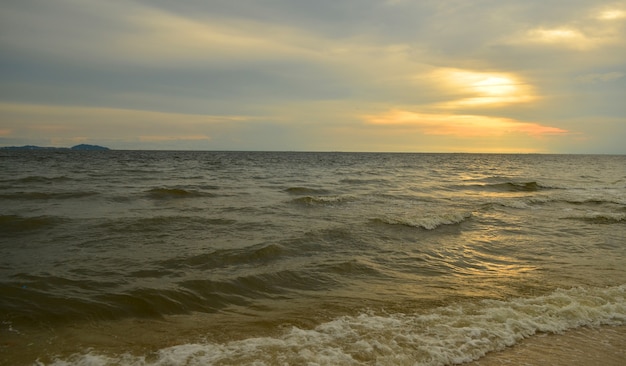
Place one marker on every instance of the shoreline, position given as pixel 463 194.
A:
pixel 602 346
pixel 588 345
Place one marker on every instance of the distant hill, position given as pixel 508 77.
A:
pixel 81 147
pixel 88 147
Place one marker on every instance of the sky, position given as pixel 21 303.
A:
pixel 495 76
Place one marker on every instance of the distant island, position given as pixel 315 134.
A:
pixel 88 147
pixel 81 147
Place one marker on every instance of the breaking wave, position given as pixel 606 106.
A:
pixel 601 218
pixel 442 336
pixel 428 221
pixel 321 200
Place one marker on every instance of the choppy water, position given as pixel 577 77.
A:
pixel 183 258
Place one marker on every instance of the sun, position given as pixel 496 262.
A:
pixel 485 89
pixel 495 85
pixel 480 83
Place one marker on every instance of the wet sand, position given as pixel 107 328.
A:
pixel 602 346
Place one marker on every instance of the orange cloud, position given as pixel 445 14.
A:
pixel 460 125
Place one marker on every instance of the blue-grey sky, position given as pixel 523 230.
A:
pixel 348 75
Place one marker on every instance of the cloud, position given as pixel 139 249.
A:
pixel 560 36
pixel 467 126
pixel 600 77
pixel 68 123
pixel 160 37
pixel 468 88
pixel 161 138
pixel 126 32
pixel 301 75
pixel 589 29
pixel 612 14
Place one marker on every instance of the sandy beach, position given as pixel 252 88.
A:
pixel 604 346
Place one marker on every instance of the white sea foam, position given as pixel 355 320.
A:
pixel 446 335
pixel 515 203
pixel 428 221
pixel 323 200
pixel 600 217
pixel 9 327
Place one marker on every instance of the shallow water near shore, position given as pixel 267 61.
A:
pixel 229 258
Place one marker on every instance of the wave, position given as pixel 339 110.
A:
pixel 510 187
pixel 428 221
pixel 175 193
pixel 592 203
pixel 43 179
pixel 353 268
pixel 46 195
pixel 57 300
pixel 168 224
pixel 34 300
pixel 616 199
pixel 259 285
pixel 601 218
pixel 442 336
pixel 301 191
pixel 354 181
pixel 321 200
pixel 228 257
pixel 18 224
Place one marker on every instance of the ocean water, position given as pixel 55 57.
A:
pixel 293 258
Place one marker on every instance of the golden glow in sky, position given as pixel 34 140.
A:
pixel 482 89
pixel 472 90
pixel 465 126
pixel 613 14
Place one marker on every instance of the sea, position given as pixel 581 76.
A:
pixel 311 258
